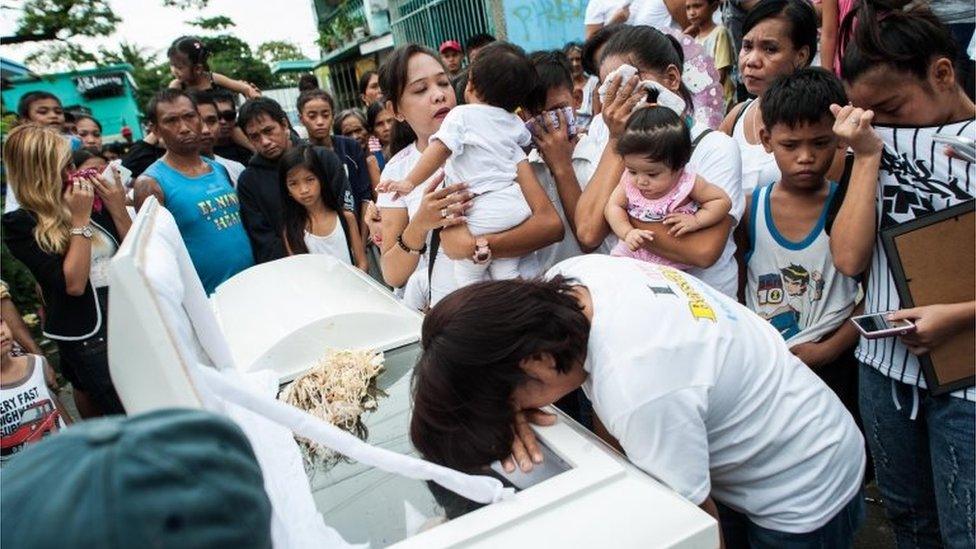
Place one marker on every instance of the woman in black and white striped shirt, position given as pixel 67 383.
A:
pixel 899 70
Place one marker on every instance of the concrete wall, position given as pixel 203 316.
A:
pixel 543 24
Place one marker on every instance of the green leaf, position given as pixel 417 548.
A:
pixel 216 23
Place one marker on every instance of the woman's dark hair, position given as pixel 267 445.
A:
pixel 503 76
pixel 258 106
pixel 193 48
pixel 593 44
pixel 309 95
pixel 473 342
pixel 81 116
pixel 906 41
pixel 658 134
pixel 570 46
pixel 28 99
pixel 798 13
pixel 802 97
pixel 372 113
pixel 648 47
pixel 364 81
pixel 81 156
pixel 307 81
pixel 294 216
pixel 393 75
pixel 342 116
pixel 552 72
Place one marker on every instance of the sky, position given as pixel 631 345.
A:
pixel 148 24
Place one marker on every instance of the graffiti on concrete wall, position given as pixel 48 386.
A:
pixel 544 24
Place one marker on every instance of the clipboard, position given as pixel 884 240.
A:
pixel 933 260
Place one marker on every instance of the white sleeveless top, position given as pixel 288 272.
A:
pixel 794 285
pixel 333 244
pixel 29 413
pixel 758 166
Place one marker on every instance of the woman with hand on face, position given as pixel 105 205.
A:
pixel 66 231
pixel 780 36
pixel 419 91
pixel 658 59
pixel 900 76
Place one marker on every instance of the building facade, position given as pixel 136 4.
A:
pixel 356 35
pixel 106 93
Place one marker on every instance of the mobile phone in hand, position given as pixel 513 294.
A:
pixel 964 147
pixel 877 326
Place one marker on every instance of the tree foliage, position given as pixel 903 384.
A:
pixel 216 23
pixel 278 50
pixel 186 4
pixel 62 19
pixel 149 73
pixel 232 57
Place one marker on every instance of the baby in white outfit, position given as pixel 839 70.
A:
pixel 481 144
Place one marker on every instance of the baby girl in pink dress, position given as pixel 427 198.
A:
pixel 656 187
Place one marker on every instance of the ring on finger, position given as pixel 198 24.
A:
pixel 445 212
pixel 854 121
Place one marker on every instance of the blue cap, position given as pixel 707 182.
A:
pixel 170 478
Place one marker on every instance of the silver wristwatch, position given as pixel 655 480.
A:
pixel 85 231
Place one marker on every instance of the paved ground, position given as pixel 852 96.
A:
pixel 876 531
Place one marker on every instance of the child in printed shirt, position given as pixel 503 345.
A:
pixel 29 411
pixel 657 187
pixel 481 144
pixel 790 276
pixel 715 41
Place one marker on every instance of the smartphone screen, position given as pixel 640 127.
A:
pixel 878 323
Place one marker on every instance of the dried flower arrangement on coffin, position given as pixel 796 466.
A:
pixel 338 389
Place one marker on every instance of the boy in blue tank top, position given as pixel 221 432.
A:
pixel 196 190
pixel 790 279
pixel 787 273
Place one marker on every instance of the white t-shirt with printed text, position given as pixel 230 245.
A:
pixel 705 396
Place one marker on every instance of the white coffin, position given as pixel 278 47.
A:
pixel 282 316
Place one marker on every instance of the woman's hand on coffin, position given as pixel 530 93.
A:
pixel 525 445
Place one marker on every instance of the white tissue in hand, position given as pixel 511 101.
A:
pixel 665 97
pixel 625 72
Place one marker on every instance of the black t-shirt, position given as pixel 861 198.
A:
pixel 141 156
pixel 235 152
pixel 67 316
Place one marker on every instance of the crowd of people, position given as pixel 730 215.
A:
pixel 579 233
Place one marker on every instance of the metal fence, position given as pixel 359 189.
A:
pixel 344 84
pixel 431 22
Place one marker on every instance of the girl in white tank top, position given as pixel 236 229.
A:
pixel 313 217
pixel 333 244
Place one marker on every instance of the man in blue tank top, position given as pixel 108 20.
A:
pixel 196 190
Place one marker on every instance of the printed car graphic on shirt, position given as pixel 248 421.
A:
pixel 37 421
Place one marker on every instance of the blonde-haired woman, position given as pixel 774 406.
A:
pixel 67 241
